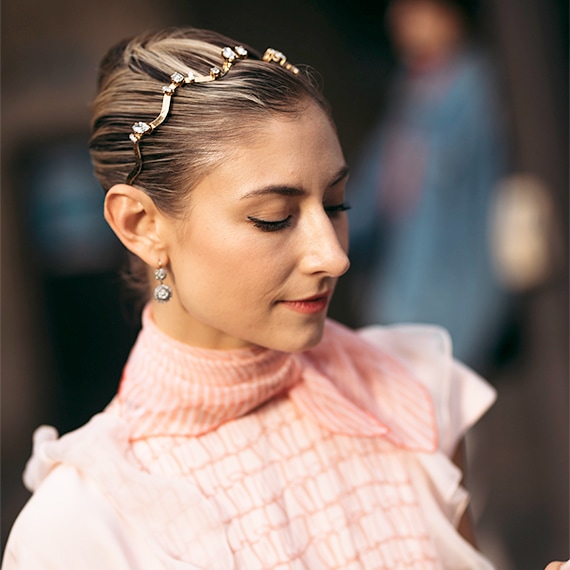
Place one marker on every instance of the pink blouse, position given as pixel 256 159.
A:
pixel 332 458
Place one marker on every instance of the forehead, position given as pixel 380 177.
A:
pixel 302 143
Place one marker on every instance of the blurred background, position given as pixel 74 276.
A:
pixel 456 125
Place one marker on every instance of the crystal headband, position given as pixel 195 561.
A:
pixel 272 55
pixel 177 79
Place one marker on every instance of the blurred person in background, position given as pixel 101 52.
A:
pixel 423 188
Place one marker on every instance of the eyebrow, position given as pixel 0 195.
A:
pixel 341 175
pixel 291 190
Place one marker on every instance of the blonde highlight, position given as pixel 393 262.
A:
pixel 204 120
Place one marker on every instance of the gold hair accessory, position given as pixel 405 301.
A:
pixel 273 55
pixel 140 128
pixel 230 56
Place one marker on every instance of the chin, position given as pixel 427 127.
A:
pixel 299 341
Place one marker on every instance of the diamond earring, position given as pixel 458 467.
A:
pixel 162 293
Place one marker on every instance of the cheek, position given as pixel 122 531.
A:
pixel 232 265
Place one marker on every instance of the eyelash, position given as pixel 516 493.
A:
pixel 333 210
pixel 278 225
pixel 271 226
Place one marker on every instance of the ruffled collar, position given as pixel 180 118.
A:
pixel 346 384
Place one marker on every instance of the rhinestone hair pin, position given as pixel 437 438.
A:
pixel 177 79
pixel 275 56
pixel 230 56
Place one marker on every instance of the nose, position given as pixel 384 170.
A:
pixel 324 245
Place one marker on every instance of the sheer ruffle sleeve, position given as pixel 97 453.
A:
pixel 460 398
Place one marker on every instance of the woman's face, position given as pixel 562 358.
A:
pixel 256 259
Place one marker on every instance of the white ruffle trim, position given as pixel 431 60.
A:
pixel 437 483
pixel 176 520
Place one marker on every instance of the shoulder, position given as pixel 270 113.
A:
pixel 94 507
pixel 63 503
pixel 475 82
pixel 68 523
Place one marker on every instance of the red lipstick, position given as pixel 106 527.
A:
pixel 310 305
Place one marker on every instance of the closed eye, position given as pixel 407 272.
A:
pixel 332 210
pixel 270 226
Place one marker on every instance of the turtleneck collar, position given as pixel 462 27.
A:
pixel 171 388
pixel 345 384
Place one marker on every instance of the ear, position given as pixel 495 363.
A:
pixel 136 221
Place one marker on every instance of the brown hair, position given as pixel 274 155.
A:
pixel 204 119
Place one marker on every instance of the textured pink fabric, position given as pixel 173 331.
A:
pixel 347 385
pixel 290 482
pixel 332 458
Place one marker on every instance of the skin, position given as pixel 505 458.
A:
pixel 425 32
pixel 235 282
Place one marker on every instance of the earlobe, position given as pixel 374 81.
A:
pixel 133 217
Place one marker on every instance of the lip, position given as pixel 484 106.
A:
pixel 309 305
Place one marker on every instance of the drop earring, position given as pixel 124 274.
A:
pixel 162 293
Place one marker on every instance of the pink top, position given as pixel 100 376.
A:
pixel 332 458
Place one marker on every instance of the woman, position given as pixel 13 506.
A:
pixel 248 430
